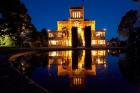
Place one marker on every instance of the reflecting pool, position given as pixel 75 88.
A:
pixel 78 71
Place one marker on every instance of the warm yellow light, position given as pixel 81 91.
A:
pixel 101 42
pixel 54 53
pixel 70 53
pixel 108 51
pixel 98 34
pixel 79 30
pixel 101 52
pixel 80 65
pixel 77 81
pixel 53 42
pixel 94 42
pixel 99 61
pixel 94 53
pixel 70 43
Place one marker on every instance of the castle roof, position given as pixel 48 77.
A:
pixel 80 7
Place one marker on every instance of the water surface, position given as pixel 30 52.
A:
pixel 79 71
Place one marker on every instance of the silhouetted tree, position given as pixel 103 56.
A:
pixel 114 42
pixel 14 20
pixel 135 0
pixel 26 37
pixel 125 28
pixel 44 37
pixel 130 65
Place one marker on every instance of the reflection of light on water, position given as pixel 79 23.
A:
pixel 77 76
pixel 99 61
pixel 61 62
pixel 81 60
pixel 98 56
pixel 80 65
pixel 54 53
pixel 98 52
pixel 108 51
pixel 94 53
pixel 76 81
pixel 105 66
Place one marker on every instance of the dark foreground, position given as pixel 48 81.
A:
pixel 11 81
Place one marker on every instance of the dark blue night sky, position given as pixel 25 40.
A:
pixel 107 13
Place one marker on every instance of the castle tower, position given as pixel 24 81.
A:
pixel 77 13
pixel 63 35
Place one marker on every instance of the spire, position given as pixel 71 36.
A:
pixel 83 6
pixel 83 3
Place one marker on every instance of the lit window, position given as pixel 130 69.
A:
pixel 98 34
pixel 76 14
pixel 53 42
pixel 94 42
pixel 50 35
pixel 73 14
pixel 79 15
pixel 101 41
pixel 101 52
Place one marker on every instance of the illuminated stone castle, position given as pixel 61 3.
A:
pixel 63 35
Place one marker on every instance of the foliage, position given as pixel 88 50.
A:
pixel 14 19
pixel 6 41
pixel 127 22
pixel 135 0
pixel 44 37
pixel 115 39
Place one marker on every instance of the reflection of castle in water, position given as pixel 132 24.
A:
pixel 77 64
